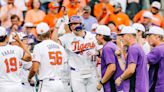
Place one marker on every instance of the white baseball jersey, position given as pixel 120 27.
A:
pixel 51 57
pixel 24 72
pixel 9 65
pixel 84 48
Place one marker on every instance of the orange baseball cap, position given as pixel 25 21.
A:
pixel 53 5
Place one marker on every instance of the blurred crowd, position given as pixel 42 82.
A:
pixel 66 16
pixel 23 15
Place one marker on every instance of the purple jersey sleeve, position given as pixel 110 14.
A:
pixel 153 57
pixel 109 56
pixel 132 55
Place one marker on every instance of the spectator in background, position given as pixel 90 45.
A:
pixel 73 7
pixel 157 19
pixel 53 15
pixel 29 4
pixel 92 3
pixel 133 6
pixel 101 9
pixel 112 27
pixel 118 17
pixel 88 20
pixel 15 27
pixel 147 20
pixel 44 5
pixel 35 15
pixel 81 2
pixel 21 4
pixel 7 11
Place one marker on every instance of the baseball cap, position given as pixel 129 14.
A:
pixel 94 26
pixel 156 30
pixel 156 4
pixel 139 27
pixel 42 28
pixel 2 31
pixel 28 24
pixel 128 30
pixel 75 19
pixel 53 5
pixel 147 14
pixel 87 9
pixel 103 30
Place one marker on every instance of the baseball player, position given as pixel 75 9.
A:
pixel 83 45
pixel 136 64
pixel 110 68
pixel 141 37
pixel 48 60
pixel 156 58
pixel 25 68
pixel 10 55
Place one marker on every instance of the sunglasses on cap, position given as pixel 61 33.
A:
pixel 75 18
pixel 74 23
pixel 79 28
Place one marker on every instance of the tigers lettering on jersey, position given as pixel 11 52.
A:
pixel 80 47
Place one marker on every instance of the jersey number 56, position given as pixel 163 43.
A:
pixel 55 57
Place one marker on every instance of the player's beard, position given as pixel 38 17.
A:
pixel 100 43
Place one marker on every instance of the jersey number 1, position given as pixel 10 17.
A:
pixel 56 57
pixel 11 65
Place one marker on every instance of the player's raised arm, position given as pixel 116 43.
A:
pixel 27 56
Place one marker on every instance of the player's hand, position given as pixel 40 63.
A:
pixel 32 83
pixel 118 52
pixel 14 28
pixel 118 81
pixel 99 86
pixel 66 27
pixel 16 37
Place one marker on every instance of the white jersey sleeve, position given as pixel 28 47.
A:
pixel 36 54
pixel 64 39
pixel 19 52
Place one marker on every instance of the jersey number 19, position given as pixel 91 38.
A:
pixel 11 65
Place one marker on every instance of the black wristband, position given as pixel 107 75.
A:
pixel 101 83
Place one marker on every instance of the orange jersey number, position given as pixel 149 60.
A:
pixel 11 65
pixel 56 57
